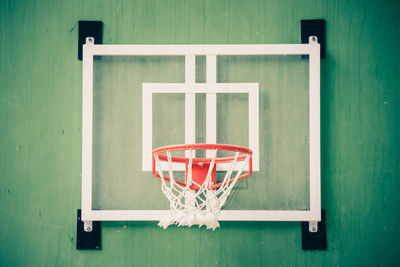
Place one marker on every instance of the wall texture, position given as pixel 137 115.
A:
pixel 40 132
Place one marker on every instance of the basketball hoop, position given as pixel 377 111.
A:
pixel 199 198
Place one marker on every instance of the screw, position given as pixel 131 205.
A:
pixel 88 228
pixel 314 229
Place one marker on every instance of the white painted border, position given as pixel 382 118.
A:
pixel 211 104
pixel 87 128
pixel 225 215
pixel 314 132
pixel 183 50
pixel 190 106
pixel 312 49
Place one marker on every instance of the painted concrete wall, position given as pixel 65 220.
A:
pixel 40 132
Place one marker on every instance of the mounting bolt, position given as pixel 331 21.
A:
pixel 88 226
pixel 89 40
pixel 313 226
pixel 312 39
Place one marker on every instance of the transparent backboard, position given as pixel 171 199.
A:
pixel 282 181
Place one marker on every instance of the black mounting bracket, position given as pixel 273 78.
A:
pixel 89 29
pixel 314 27
pixel 314 240
pixel 87 240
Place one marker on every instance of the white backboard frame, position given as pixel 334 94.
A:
pixel 312 49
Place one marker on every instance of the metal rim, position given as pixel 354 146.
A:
pixel 184 147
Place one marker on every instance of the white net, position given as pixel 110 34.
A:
pixel 197 207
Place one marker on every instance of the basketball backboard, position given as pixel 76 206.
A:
pixel 138 97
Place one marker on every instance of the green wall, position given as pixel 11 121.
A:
pixel 40 132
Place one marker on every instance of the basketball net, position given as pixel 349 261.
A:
pixel 197 207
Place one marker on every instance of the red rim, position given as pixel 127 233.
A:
pixel 221 147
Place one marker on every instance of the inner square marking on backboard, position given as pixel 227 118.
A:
pixel 190 88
